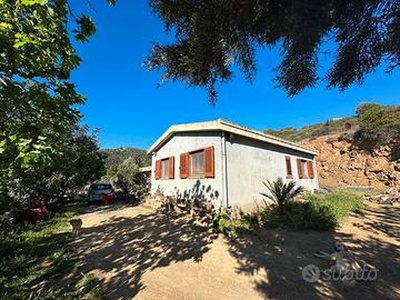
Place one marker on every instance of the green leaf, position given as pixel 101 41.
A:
pixel 33 2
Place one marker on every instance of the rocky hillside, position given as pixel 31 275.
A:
pixel 341 163
pixel 363 150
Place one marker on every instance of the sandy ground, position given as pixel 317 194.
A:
pixel 143 255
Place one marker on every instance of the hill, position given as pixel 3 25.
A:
pixel 330 127
pixel 363 150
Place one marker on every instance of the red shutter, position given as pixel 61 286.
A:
pixel 209 162
pixel 158 169
pixel 184 165
pixel 310 169
pixel 299 169
pixel 171 163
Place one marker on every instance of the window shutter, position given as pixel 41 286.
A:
pixel 171 168
pixel 310 169
pixel 184 165
pixel 158 169
pixel 209 162
pixel 299 169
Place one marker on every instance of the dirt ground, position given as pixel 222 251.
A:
pixel 140 254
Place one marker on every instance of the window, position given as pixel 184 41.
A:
pixel 165 168
pixel 289 173
pixel 197 164
pixel 305 168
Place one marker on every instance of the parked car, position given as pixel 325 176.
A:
pixel 98 190
pixel 57 202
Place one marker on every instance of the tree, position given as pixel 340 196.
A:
pixel 38 103
pixel 213 36
pixel 128 175
pixel 281 193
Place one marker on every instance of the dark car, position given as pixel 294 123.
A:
pixel 98 190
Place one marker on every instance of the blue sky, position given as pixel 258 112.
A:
pixel 123 99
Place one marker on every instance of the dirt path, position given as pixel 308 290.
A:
pixel 143 255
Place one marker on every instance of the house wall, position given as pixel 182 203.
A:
pixel 251 162
pixel 190 188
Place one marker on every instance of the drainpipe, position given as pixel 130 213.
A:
pixel 224 161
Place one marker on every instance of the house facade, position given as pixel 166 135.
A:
pixel 226 163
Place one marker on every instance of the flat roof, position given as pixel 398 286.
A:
pixel 224 125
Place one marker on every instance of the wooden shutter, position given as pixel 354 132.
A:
pixel 158 169
pixel 171 167
pixel 310 169
pixel 289 172
pixel 299 169
pixel 184 165
pixel 209 162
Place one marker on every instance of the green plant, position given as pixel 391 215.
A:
pixel 43 253
pixel 281 193
pixel 316 212
pixel 232 227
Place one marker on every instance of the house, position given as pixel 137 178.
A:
pixel 226 163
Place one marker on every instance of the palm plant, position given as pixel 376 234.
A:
pixel 281 192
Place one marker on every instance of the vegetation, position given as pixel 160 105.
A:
pixel 212 38
pixel 115 157
pixel 282 193
pixel 373 123
pixel 379 125
pixel 315 212
pixel 329 127
pixel 39 115
pixel 123 166
pixel 378 118
pixel 43 254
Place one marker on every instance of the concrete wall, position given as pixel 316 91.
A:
pixel 190 188
pixel 251 162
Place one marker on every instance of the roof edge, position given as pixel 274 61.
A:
pixel 227 126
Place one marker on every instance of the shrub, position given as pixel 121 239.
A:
pixel 316 212
pixel 281 193
pixel 232 227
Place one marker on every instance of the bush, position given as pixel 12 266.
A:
pixel 316 212
pixel 232 227
pixel 378 122
pixel 301 215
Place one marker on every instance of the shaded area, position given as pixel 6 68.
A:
pixel 121 249
pixel 36 257
pixel 282 254
pixel 385 220
pixel 199 192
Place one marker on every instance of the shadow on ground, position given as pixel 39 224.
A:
pixel 122 249
pixel 282 254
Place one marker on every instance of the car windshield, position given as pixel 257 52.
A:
pixel 102 187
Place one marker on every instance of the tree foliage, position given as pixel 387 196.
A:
pixel 123 166
pixel 379 125
pixel 214 36
pixel 38 102
pixel 379 118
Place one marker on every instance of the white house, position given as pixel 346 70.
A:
pixel 226 163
